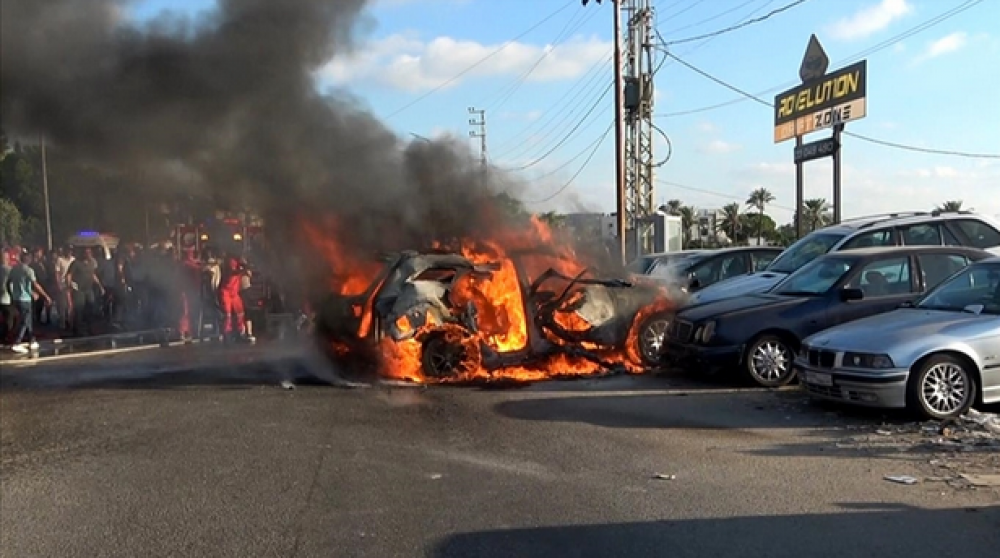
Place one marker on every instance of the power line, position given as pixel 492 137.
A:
pixel 480 61
pixel 565 34
pixel 715 193
pixel 713 18
pixel 578 172
pixel 865 138
pixel 568 134
pixel 731 28
pixel 588 83
pixel 582 152
pixel 853 58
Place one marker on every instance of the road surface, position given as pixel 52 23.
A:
pixel 221 461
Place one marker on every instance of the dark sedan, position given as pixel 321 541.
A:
pixel 693 270
pixel 760 333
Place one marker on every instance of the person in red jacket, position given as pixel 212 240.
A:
pixel 230 300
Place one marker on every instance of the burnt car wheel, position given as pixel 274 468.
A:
pixel 652 336
pixel 448 355
pixel 768 361
pixel 941 387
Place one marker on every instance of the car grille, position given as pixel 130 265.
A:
pixel 825 391
pixel 821 358
pixel 681 330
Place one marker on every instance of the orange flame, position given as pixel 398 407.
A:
pixel 498 300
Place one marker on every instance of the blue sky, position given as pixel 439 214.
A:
pixel 934 89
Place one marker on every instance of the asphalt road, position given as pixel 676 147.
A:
pixel 223 462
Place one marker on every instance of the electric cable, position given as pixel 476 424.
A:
pixel 566 33
pixel 582 152
pixel 713 18
pixel 578 172
pixel 588 83
pixel 732 28
pixel 475 65
pixel 569 134
pixel 770 105
pixel 705 191
pixel 853 58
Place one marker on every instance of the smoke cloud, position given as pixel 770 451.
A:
pixel 226 104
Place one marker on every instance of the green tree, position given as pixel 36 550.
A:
pixel 553 219
pixel 672 207
pixel 759 200
pixel 950 206
pixel 10 223
pixel 816 213
pixel 763 225
pixel 732 221
pixel 687 215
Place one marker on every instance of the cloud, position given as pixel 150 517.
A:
pixel 952 42
pixel 708 127
pixel 869 20
pixel 718 147
pixel 405 62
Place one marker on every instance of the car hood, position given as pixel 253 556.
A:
pixel 755 302
pixel 878 333
pixel 737 286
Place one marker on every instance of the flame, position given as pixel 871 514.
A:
pixel 498 299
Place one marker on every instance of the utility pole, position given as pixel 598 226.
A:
pixel 480 133
pixel 45 196
pixel 621 211
pixel 640 191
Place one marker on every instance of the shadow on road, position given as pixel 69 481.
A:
pixel 699 409
pixel 861 530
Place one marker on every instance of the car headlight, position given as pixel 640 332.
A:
pixel 862 360
pixel 706 332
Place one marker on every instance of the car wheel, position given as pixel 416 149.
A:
pixel 768 361
pixel 651 338
pixel 942 387
pixel 447 355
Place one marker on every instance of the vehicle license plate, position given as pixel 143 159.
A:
pixel 819 379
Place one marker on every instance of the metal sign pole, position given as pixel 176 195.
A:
pixel 799 192
pixel 837 198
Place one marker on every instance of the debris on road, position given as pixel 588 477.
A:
pixel 662 476
pixel 287 384
pixel 436 476
pixel 981 480
pixel 901 479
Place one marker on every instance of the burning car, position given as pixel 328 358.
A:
pixel 439 317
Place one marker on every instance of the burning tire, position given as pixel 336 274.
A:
pixel 648 341
pixel 449 354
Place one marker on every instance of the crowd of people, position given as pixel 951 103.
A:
pixel 87 291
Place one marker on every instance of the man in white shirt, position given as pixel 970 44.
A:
pixel 60 298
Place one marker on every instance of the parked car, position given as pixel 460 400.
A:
pixel 937 357
pixel 960 228
pixel 760 333
pixel 694 270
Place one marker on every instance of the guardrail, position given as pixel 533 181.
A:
pixel 160 336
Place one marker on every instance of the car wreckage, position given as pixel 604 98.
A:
pixel 432 299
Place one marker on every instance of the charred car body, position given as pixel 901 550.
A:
pixel 438 302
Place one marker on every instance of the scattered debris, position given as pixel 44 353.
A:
pixel 988 421
pixel 883 432
pixel 902 479
pixel 287 384
pixel 981 480
pixel 436 476
pixel 662 476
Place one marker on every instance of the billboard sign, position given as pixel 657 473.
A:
pixel 835 98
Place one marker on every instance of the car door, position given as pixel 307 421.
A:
pixel 936 267
pixel 710 271
pixel 921 234
pixel 886 282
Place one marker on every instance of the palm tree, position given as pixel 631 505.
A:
pixel 758 200
pixel 816 213
pixel 672 207
pixel 730 222
pixel 687 215
pixel 950 206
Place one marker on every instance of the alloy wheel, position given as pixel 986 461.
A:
pixel 945 388
pixel 770 362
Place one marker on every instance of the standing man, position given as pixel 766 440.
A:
pixel 82 280
pixel 61 294
pixel 233 318
pixel 24 287
pixel 6 314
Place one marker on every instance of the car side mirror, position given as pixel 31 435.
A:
pixel 850 295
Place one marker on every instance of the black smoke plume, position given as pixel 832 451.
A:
pixel 226 104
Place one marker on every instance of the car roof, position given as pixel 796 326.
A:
pixel 713 251
pixel 898 219
pixel 882 250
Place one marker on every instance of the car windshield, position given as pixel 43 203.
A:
pixel 976 285
pixel 815 278
pixel 647 264
pixel 641 265
pixel 804 251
